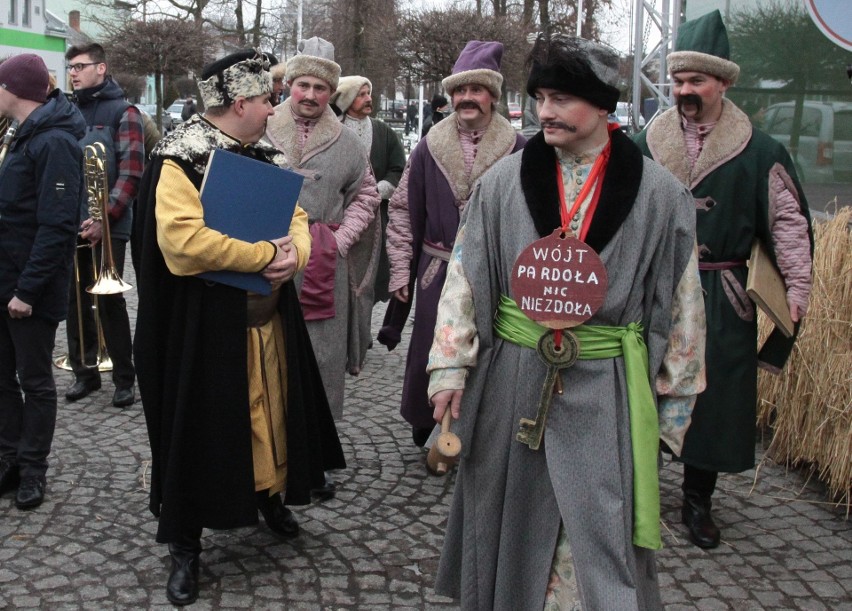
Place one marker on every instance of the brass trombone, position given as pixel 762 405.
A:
pixel 107 281
pixel 8 127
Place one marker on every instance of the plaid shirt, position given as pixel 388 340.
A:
pixel 130 149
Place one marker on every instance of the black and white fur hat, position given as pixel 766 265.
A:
pixel 244 73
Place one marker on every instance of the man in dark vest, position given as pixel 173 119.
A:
pixel 118 125
pixel 745 189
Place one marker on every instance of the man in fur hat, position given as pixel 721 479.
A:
pixel 228 433
pixel 340 197
pixel 424 211
pixel 353 99
pixel 571 516
pixel 745 189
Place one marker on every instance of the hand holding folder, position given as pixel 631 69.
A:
pixel 248 200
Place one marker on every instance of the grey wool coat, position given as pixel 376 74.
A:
pixel 509 500
pixel 334 164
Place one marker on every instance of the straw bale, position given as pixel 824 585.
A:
pixel 809 406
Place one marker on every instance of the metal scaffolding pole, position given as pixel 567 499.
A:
pixel 647 18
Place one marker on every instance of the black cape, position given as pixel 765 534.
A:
pixel 190 353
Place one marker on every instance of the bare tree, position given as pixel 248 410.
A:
pixel 430 41
pixel 163 48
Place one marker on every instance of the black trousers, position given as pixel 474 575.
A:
pixel 699 480
pixel 112 310
pixel 27 391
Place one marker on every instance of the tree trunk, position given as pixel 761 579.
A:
pixel 241 28
pixel 544 15
pixel 257 25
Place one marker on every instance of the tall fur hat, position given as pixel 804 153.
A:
pixel 244 73
pixel 478 64
pixel 583 68
pixel 314 57
pixel 347 91
pixel 702 46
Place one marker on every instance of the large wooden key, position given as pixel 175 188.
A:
pixel 557 357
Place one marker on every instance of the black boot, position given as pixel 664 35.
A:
pixel 182 587
pixel 696 517
pixel 325 492
pixel 279 519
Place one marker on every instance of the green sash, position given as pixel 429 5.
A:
pixel 599 342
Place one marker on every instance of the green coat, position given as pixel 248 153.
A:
pixel 730 184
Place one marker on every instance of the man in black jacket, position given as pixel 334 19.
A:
pixel 41 189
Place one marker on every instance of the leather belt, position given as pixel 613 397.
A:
pixel 261 308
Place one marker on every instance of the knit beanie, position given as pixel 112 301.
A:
pixel 478 64
pixel 702 46
pixel 244 73
pixel 25 76
pixel 583 68
pixel 347 90
pixel 314 57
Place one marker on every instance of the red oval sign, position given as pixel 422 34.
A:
pixel 559 282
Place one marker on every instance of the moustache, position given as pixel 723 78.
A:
pixel 469 104
pixel 559 125
pixel 308 103
pixel 691 99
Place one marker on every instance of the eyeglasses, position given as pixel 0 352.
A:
pixel 80 66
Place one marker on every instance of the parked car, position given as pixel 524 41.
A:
pixel 825 138
pixel 151 111
pixel 623 116
pixel 175 110
pixel 515 111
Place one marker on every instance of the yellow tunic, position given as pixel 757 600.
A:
pixel 189 247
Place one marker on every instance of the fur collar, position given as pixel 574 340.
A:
pixel 620 186
pixel 444 145
pixel 727 140
pixel 282 133
pixel 194 139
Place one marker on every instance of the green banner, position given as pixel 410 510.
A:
pixel 28 41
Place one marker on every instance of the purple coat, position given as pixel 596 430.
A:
pixel 435 195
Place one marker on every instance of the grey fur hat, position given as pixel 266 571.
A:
pixel 314 57
pixel 278 71
pixel 347 90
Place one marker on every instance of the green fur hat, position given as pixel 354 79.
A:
pixel 702 46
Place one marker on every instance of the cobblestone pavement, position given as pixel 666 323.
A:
pixel 376 546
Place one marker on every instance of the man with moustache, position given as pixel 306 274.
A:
pixel 353 99
pixel 424 212
pixel 340 197
pixel 234 404
pixel 745 188
pixel 575 521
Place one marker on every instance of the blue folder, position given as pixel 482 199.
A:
pixel 248 200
